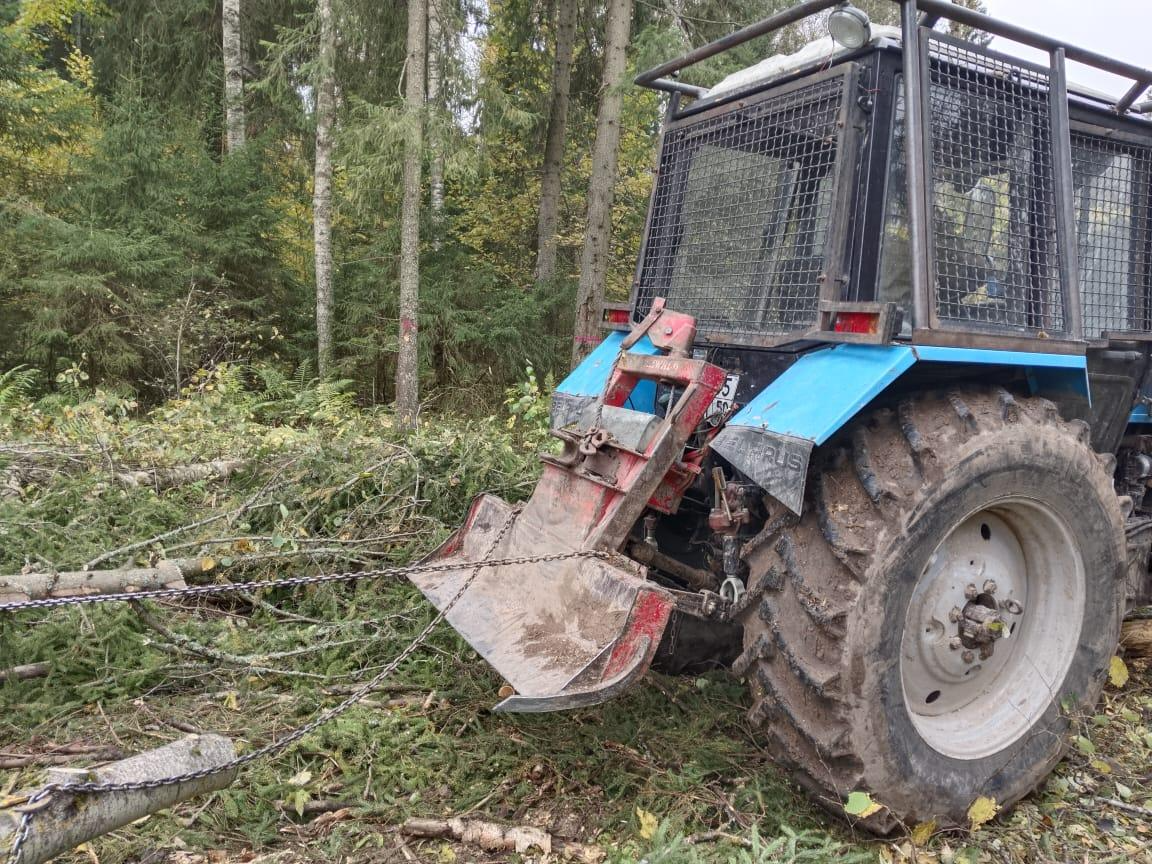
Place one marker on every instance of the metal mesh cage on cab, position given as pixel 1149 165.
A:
pixel 991 191
pixel 1112 184
pixel 741 214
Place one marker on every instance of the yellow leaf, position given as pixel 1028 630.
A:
pixel 300 779
pixel 1101 766
pixel 860 804
pixel 1117 672
pixel 923 832
pixel 299 799
pixel 230 701
pixel 207 564
pixel 648 823
pixel 981 811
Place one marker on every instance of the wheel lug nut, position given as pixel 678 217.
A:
pixel 1013 607
pixel 989 587
pixel 970 592
pixel 955 643
pixel 968 657
pixel 955 616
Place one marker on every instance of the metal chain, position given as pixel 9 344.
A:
pixel 292 582
pixel 28 810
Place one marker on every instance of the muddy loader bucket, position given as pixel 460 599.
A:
pixel 581 627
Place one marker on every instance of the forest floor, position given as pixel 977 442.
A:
pixel 668 773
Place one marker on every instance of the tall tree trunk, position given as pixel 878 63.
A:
pixel 549 216
pixel 233 78
pixel 322 187
pixel 435 145
pixel 408 362
pixel 605 156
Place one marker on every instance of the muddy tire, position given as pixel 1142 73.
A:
pixel 862 673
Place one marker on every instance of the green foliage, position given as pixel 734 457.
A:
pixel 44 117
pixel 670 846
pixel 155 260
pixel 529 409
pixel 16 386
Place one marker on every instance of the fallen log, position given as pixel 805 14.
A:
pixel 316 807
pixel 501 838
pixel 22 587
pixel 165 478
pixel 61 756
pixel 26 671
pixel 65 820
pixel 172 573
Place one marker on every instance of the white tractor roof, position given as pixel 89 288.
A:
pixel 814 52
pixel 825 50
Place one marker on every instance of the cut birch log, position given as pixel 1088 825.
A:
pixel 164 478
pixel 22 587
pixel 26 671
pixel 66 820
pixel 501 838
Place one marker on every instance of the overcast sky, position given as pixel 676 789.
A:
pixel 1121 29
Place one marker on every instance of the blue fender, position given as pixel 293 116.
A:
pixel 586 382
pixel 772 437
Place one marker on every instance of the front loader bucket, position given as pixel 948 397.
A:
pixel 581 627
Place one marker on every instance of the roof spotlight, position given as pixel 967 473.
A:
pixel 849 26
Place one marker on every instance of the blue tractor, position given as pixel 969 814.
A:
pixel 873 430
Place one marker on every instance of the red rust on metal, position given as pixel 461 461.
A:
pixel 647 620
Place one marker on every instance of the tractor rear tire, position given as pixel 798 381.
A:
pixel 860 675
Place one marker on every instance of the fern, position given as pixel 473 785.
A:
pixel 303 376
pixel 16 386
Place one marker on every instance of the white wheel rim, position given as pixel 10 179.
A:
pixel 968 704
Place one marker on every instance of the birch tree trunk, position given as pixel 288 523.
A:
pixel 549 216
pixel 322 187
pixel 233 78
pixel 435 145
pixel 407 365
pixel 605 156
pixel 67 820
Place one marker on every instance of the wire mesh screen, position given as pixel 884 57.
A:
pixel 1110 183
pixel 741 213
pixel 992 192
pixel 894 280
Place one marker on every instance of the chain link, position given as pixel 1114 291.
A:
pixel 281 744
pixel 291 582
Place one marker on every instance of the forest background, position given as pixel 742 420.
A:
pixel 197 182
